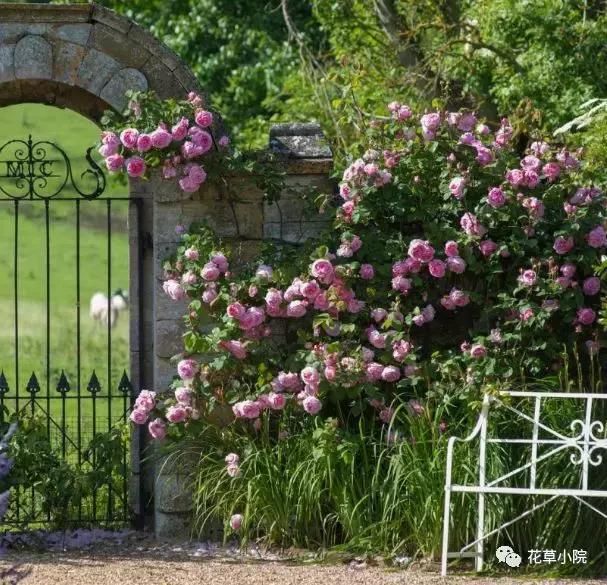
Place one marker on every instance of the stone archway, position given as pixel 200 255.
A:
pixel 83 57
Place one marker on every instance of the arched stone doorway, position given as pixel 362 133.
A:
pixel 85 58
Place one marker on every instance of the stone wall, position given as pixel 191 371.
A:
pixel 245 223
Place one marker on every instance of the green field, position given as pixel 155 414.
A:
pixel 74 134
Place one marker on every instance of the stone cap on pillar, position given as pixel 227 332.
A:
pixel 299 140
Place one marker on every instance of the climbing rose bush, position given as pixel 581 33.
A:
pixel 456 261
pixel 176 136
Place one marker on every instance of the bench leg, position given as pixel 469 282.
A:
pixel 446 515
pixel 480 533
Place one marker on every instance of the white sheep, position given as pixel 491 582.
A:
pixel 99 307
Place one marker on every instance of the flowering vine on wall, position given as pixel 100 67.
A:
pixel 456 262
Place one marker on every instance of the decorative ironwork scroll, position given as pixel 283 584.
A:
pixel 41 170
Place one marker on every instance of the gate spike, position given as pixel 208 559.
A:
pixel 33 387
pixel 125 385
pixel 63 385
pixel 3 384
pixel 94 386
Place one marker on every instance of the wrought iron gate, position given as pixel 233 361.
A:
pixel 64 371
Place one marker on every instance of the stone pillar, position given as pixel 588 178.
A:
pixel 307 161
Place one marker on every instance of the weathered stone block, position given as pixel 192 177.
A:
pixel 7 68
pixel 172 525
pixel 68 58
pixel 168 338
pixel 74 33
pixel 147 40
pixel 11 32
pixel 299 140
pixel 116 44
pixel 294 232
pixel 162 80
pixel 33 58
pixel 164 372
pixel 187 79
pixel 114 92
pixel 96 70
pixel 111 19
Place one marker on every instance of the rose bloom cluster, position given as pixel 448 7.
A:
pixel 505 241
pixel 180 146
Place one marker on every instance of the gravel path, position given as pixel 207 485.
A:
pixel 77 568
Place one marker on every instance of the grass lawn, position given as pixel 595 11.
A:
pixel 73 133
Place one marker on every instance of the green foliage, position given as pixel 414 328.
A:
pixel 54 487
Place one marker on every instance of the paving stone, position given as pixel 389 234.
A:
pixel 33 58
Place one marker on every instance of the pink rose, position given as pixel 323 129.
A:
pixel 459 298
pixel 114 162
pixel 236 310
pixel 180 130
pixel 528 278
pixel 471 225
pixel 379 314
pixel 203 118
pixel 223 142
pixel 487 247
pixel 139 416
pixel 246 409
pixel 401 284
pixel 390 374
pixel 374 371
pixel 586 316
pixel 209 294
pixel 176 414
pixel 451 249
pixel 210 271
pixel 233 470
pixel 157 429
pixel 591 286
pixel 220 261
pixel 437 268
pixel 551 171
pixel 129 138
pixel 421 250
pixel 323 270
pixel 496 197
pixel 135 166
pixel 201 139
pixel 236 522
pixel 310 289
pixel 568 270
pixel 401 349
pixel 191 254
pixel 457 186
pixel 597 238
pixel 310 376
pixel 161 138
pixel 430 122
pixel 232 459
pixel 515 177
pixel 236 348
pixel 312 405
pixel 146 400
pixel 144 142
pixel 376 339
pixel 296 309
pixel 174 290
pixel 456 264
pixel 183 395
pixel 367 272
pixel 563 245
pixel 478 351
pixel 277 401
pixel 189 278
pixel 187 369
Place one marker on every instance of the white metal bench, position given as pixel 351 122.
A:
pixel 583 440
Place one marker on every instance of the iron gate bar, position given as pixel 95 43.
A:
pixel 35 169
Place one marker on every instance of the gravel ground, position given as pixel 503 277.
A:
pixel 85 568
